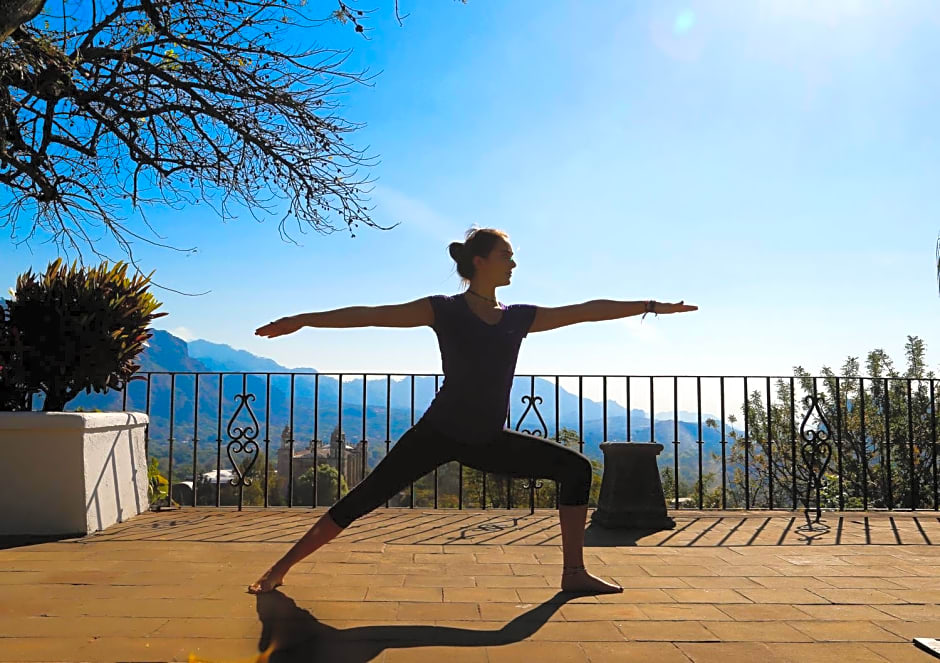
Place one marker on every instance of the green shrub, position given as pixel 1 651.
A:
pixel 71 331
pixel 326 485
pixel 157 485
pixel 14 396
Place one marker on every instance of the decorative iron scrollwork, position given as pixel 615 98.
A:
pixel 533 483
pixel 242 440
pixel 532 401
pixel 816 452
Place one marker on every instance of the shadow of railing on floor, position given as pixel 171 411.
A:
pixel 441 528
pixel 750 531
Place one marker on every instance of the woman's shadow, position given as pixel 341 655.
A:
pixel 291 634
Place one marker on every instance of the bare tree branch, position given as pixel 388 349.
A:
pixel 136 103
pixel 14 13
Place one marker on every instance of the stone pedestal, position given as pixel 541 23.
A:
pixel 631 490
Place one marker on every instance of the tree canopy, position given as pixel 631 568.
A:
pixel 113 107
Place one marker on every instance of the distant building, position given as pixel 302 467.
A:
pixel 323 454
pixel 183 490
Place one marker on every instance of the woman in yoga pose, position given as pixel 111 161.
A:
pixel 479 340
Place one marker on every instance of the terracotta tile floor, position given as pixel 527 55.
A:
pixel 402 585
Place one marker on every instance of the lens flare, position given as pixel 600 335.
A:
pixel 263 657
pixel 685 19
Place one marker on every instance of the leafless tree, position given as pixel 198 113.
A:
pixel 116 106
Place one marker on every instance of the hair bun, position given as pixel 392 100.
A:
pixel 457 251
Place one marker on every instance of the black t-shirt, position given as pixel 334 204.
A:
pixel 478 361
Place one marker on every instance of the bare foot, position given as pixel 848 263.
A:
pixel 272 578
pixel 579 580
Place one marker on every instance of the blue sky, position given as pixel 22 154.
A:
pixel 774 163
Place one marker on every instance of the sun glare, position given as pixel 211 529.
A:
pixel 685 19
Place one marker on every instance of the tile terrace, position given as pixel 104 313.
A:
pixel 402 585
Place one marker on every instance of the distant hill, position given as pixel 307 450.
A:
pixel 167 353
pixel 222 357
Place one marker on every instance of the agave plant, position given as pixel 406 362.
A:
pixel 13 395
pixel 71 331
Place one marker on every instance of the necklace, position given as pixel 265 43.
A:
pixel 482 297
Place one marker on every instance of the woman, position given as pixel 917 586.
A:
pixel 479 340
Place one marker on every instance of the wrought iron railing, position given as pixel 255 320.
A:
pixel 833 442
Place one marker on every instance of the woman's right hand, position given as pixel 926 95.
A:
pixel 280 327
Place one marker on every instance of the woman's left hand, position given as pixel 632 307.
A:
pixel 680 307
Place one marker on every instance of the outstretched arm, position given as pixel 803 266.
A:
pixel 598 309
pixel 411 314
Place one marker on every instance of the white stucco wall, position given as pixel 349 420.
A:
pixel 70 472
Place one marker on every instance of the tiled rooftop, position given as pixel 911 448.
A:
pixel 402 585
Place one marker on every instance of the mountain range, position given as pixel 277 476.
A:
pixel 168 353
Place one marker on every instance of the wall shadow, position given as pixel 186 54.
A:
pixel 22 540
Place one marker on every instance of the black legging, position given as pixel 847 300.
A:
pixel 423 448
